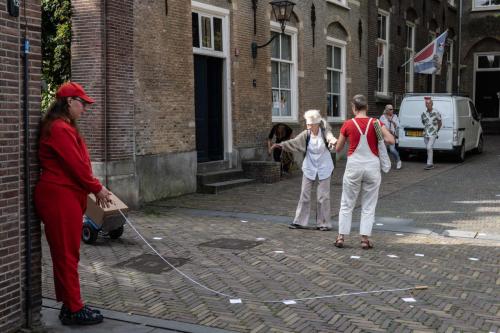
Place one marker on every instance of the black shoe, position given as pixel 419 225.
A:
pixel 85 316
pixel 295 226
pixel 65 311
pixel 429 167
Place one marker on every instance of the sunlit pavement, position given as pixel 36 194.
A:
pixel 237 243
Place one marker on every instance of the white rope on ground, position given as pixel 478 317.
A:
pixel 290 301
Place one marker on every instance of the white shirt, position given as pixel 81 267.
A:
pixel 318 161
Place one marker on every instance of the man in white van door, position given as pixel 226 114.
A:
pixel 431 119
pixel 391 122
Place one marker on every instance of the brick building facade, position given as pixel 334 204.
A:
pixel 176 82
pixel 480 59
pixel 18 308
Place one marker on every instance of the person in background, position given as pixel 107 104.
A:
pixel 315 143
pixel 391 122
pixel 282 132
pixel 362 172
pixel 61 197
pixel 431 119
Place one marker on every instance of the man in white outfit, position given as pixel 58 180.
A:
pixel 362 173
pixel 431 119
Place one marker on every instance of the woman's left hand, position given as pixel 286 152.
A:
pixel 103 198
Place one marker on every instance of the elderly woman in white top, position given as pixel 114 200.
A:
pixel 315 143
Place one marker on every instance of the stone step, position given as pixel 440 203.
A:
pixel 214 188
pixel 219 176
pixel 212 166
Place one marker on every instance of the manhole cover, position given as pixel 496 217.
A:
pixel 231 244
pixel 151 263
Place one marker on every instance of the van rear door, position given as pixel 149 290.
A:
pixel 411 127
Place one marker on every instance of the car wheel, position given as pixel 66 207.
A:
pixel 480 145
pixel 89 235
pixel 461 153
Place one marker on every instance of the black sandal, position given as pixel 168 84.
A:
pixel 323 228
pixel 295 226
pixel 366 244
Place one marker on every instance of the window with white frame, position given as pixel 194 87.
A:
pixel 449 66
pixel 409 54
pixel 486 4
pixel 382 52
pixel 207 32
pixel 284 75
pixel 335 69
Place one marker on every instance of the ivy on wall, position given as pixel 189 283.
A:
pixel 56 46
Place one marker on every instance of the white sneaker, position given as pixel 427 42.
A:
pixel 398 165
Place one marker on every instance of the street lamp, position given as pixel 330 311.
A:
pixel 282 11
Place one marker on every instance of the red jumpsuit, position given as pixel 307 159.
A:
pixel 61 200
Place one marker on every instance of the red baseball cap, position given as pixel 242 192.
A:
pixel 71 89
pixel 427 98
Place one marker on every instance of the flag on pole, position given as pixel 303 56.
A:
pixel 429 59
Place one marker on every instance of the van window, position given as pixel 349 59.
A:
pixel 474 112
pixel 414 108
pixel 463 108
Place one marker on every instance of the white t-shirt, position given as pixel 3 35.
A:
pixel 318 161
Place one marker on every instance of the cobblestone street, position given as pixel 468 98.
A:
pixel 238 243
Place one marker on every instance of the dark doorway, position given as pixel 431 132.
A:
pixel 488 93
pixel 208 107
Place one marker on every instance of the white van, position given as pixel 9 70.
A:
pixel 461 130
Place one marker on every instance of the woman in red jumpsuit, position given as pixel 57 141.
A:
pixel 61 197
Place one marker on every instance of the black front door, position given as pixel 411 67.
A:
pixel 488 93
pixel 208 108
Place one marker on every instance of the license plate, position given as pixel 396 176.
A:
pixel 416 133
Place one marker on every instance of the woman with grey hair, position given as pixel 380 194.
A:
pixel 362 172
pixel 315 143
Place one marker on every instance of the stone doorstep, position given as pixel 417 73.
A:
pixel 145 321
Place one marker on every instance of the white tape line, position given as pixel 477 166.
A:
pixel 419 255
pixel 355 257
pixel 400 234
pixel 244 221
pixel 235 301
pixel 260 239
pixel 392 256
pixel 289 302
pixel 474 259
pixel 379 224
pixel 409 299
pixel 295 300
pixel 279 251
pixel 157 238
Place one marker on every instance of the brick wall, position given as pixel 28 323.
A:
pixel 429 15
pixel 164 78
pixel 12 212
pixel 475 41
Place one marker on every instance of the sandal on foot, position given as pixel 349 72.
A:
pixel 339 242
pixel 323 228
pixel 295 226
pixel 366 244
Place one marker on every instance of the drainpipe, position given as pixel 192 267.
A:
pixel 459 45
pixel 105 97
pixel 27 181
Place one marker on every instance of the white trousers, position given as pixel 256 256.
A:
pixel 366 181
pixel 323 213
pixel 429 145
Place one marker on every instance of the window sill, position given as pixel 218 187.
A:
pixel 340 4
pixel 335 120
pixel 289 120
pixel 383 97
pixel 485 9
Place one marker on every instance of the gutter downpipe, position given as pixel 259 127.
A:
pixel 27 181
pixel 105 97
pixel 459 45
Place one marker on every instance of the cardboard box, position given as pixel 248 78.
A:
pixel 101 215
